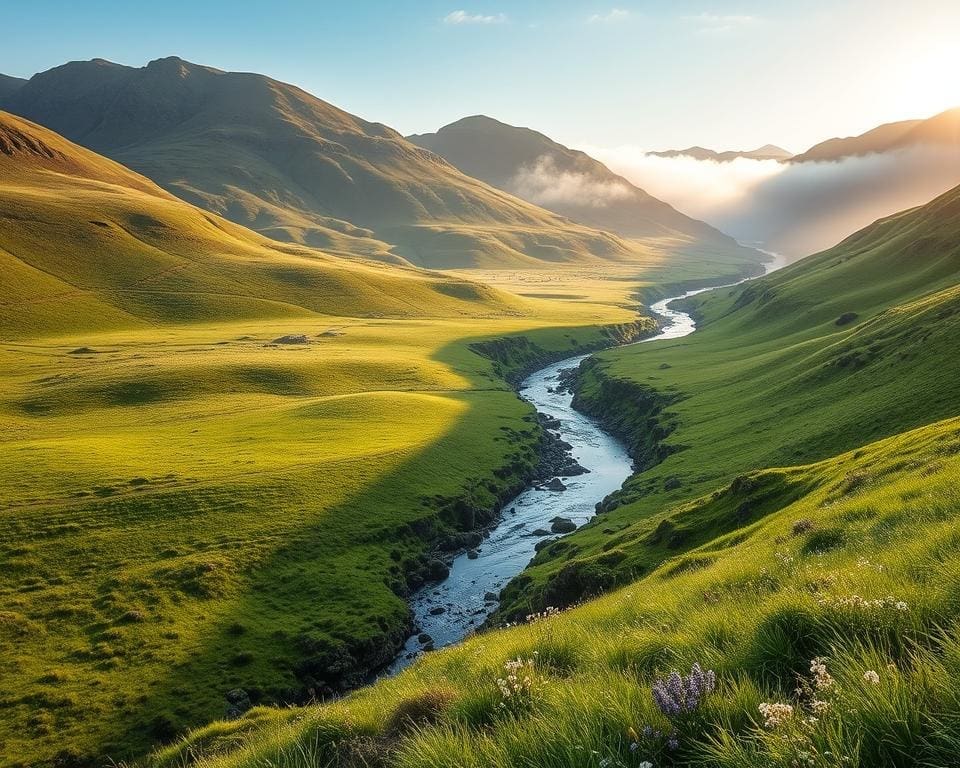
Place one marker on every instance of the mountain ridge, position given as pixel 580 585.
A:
pixel 270 156
pixel 531 165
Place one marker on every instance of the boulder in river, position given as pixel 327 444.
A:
pixel 555 485
pixel 472 554
pixel 437 570
pixel 563 525
pixel 423 638
pixel 540 532
pixel 437 610
pixel 490 597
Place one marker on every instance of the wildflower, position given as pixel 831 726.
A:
pixel 871 677
pixel 673 743
pixel 775 714
pixel 634 746
pixel 901 606
pixel 821 678
pixel 645 764
pixel 683 693
pixel 819 707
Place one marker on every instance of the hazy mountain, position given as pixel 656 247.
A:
pixel 942 129
pixel 87 244
pixel 532 166
pixel 271 156
pixel 9 85
pixel 766 152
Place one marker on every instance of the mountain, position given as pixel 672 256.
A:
pixel 87 244
pixel 9 85
pixel 766 152
pixel 272 157
pixel 571 183
pixel 942 129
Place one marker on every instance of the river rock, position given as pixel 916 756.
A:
pixel 563 525
pixel 555 485
pixel 437 610
pixel 437 570
pixel 490 597
pixel 423 638
pixel 540 532
pixel 472 554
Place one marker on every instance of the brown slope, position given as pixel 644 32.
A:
pixel 941 129
pixel 271 156
pixel 569 182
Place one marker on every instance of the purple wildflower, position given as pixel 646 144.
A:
pixel 673 743
pixel 683 693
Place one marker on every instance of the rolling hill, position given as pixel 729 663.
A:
pixel 766 152
pixel 272 157
pixel 940 130
pixel 87 244
pixel 838 349
pixel 790 547
pixel 569 182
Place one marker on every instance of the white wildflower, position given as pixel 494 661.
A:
pixel 871 677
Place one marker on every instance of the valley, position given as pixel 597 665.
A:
pixel 447 442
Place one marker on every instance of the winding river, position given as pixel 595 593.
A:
pixel 450 610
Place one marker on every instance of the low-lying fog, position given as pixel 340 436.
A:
pixel 795 209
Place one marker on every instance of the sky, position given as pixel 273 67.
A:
pixel 655 74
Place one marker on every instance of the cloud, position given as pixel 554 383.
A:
pixel 543 183
pixel 712 23
pixel 463 17
pixel 610 17
pixel 795 209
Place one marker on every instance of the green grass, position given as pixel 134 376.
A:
pixel 755 606
pixel 770 380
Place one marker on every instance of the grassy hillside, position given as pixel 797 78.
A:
pixel 86 244
pixel 297 169
pixel 225 460
pixel 532 166
pixel 851 345
pixel 836 605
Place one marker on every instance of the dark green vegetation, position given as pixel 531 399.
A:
pixel 269 156
pixel 793 527
pixel 851 345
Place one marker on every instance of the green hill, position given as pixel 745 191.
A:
pixel 843 347
pixel 272 157
pixel 87 244
pixel 792 528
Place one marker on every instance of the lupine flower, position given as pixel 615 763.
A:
pixel 683 693
pixel 871 677
pixel 673 743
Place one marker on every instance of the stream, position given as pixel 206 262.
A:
pixel 450 610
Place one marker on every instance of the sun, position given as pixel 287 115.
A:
pixel 931 80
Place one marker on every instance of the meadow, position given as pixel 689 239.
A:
pixel 829 624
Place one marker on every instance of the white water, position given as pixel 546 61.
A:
pixel 510 545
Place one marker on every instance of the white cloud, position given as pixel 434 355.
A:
pixel 463 17
pixel 610 17
pixel 714 23
pixel 794 209
pixel 544 183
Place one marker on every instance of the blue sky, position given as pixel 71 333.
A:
pixel 653 74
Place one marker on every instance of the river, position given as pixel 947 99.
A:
pixel 455 607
